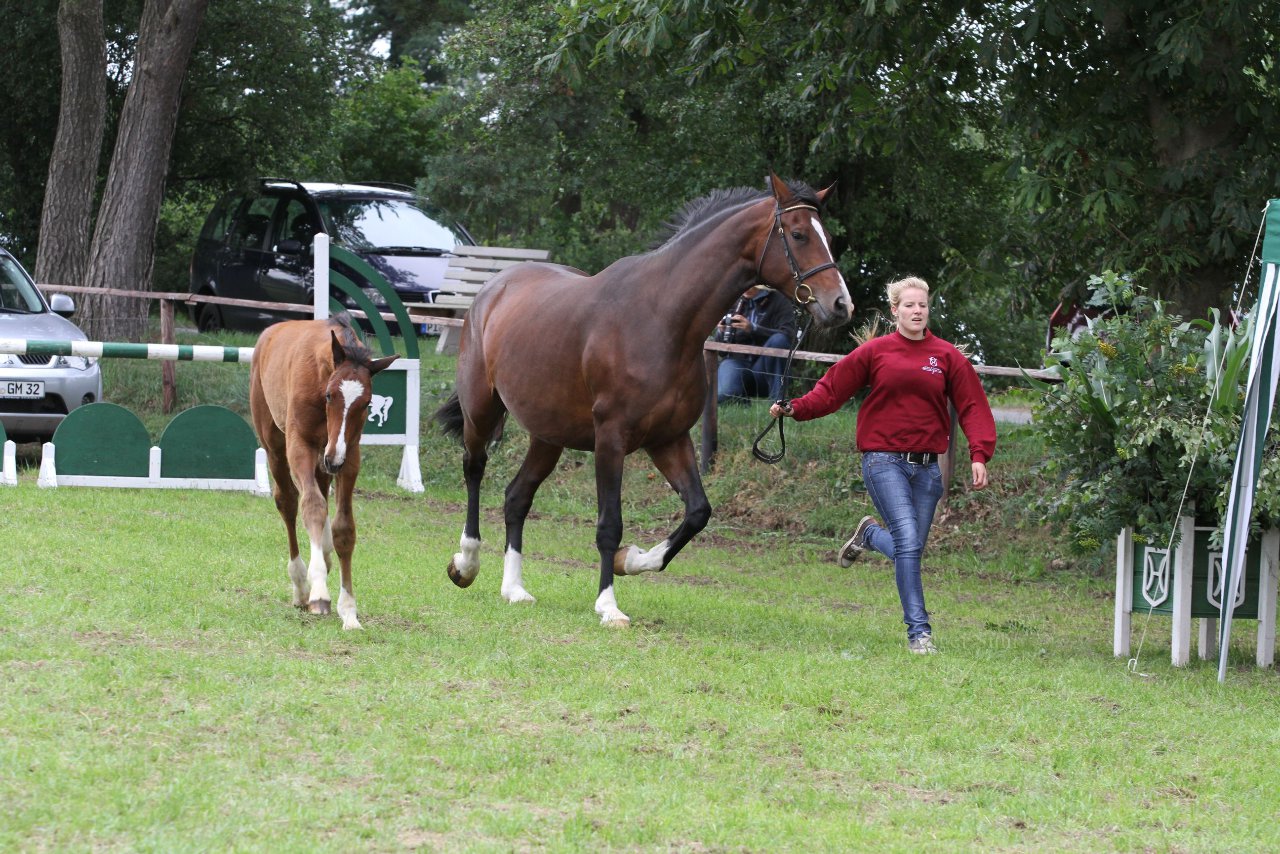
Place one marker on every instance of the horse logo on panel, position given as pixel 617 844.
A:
pixel 380 408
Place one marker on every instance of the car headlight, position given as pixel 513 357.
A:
pixel 78 363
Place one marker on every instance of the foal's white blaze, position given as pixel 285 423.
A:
pixel 351 391
pixel 512 578
pixel 639 561
pixel 467 561
pixel 607 608
pixel 822 235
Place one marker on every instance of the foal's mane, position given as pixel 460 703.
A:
pixel 706 207
pixel 355 351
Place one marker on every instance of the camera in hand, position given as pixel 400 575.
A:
pixel 726 332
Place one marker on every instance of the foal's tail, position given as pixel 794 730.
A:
pixel 449 417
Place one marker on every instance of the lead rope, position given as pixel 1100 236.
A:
pixel 758 452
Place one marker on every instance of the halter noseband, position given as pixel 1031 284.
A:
pixel 796 274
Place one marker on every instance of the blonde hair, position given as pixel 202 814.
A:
pixel 895 289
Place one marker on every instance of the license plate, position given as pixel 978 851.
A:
pixel 22 389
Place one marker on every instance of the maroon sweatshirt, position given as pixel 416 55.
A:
pixel 906 409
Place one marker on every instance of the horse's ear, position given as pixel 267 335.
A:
pixel 339 354
pixel 822 194
pixel 378 364
pixel 778 187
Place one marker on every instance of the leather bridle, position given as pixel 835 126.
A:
pixel 801 299
pixel 796 273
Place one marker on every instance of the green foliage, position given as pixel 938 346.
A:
pixel 1146 419
pixel 181 218
pixel 260 91
pixel 385 126
pixel 589 169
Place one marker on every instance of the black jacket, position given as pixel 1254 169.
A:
pixel 769 312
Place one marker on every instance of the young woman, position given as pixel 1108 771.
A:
pixel 903 425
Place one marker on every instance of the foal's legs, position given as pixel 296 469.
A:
pixel 315 518
pixel 285 494
pixel 343 532
pixel 539 462
pixel 679 466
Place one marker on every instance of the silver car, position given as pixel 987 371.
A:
pixel 37 392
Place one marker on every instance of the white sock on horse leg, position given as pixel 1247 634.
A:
pixel 513 578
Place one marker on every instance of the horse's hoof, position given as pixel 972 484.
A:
pixel 518 596
pixel 620 559
pixel 318 606
pixel 457 577
pixel 615 621
pixel 354 624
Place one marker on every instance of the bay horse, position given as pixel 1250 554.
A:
pixel 613 363
pixel 309 389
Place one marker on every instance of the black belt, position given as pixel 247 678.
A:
pixel 920 458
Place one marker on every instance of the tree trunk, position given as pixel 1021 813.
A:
pixel 122 254
pixel 67 215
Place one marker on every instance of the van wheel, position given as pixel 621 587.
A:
pixel 210 319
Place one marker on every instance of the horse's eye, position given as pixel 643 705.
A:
pixel 327 397
pixel 796 235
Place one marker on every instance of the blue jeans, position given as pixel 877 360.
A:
pixel 742 376
pixel 905 494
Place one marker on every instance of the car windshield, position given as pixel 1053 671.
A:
pixel 369 224
pixel 17 293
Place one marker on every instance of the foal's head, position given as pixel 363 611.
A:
pixel 346 399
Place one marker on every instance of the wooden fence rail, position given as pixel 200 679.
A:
pixel 427 314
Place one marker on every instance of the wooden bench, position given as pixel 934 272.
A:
pixel 468 271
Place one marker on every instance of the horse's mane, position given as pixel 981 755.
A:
pixel 705 207
pixel 350 342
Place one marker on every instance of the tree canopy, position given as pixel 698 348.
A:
pixel 1004 151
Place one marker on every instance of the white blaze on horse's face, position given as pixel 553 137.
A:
pixel 352 392
pixel 822 235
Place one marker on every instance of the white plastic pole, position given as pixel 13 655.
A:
pixel 320 294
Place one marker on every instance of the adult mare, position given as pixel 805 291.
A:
pixel 309 391
pixel 612 363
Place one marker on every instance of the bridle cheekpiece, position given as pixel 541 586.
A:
pixel 796 273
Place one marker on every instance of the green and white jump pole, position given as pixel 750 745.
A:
pixel 395 410
pixel 112 350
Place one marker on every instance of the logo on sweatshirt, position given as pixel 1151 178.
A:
pixel 932 367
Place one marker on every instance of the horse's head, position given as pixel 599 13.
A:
pixel 796 258
pixel 346 401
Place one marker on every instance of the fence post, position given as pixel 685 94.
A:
pixel 168 369
pixel 710 414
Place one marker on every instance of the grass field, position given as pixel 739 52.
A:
pixel 161 695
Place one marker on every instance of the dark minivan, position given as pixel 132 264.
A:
pixel 256 245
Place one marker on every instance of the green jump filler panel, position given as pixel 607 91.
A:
pixel 208 442
pixel 102 440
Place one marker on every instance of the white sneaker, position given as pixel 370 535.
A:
pixel 850 551
pixel 922 645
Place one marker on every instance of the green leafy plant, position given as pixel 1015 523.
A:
pixel 1144 424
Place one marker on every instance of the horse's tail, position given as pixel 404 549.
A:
pixel 449 417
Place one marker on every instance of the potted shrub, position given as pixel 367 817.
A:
pixel 1141 435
